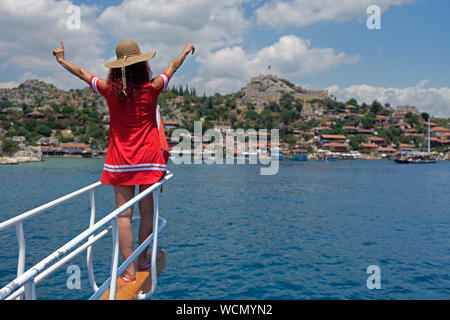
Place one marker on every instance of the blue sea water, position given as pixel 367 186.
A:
pixel 309 232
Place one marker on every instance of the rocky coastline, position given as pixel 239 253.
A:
pixel 27 154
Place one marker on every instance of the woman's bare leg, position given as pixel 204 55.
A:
pixel 146 224
pixel 126 242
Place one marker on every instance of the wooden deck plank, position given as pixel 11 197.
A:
pixel 143 282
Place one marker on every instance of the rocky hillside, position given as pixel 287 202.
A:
pixel 40 95
pixel 269 88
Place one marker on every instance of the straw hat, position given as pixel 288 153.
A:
pixel 128 53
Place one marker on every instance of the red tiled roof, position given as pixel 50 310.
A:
pixel 381 117
pixel 369 145
pixel 335 144
pixel 376 139
pixel 349 127
pixel 439 129
pixel 405 145
pixel 51 148
pixel 444 141
pixel 170 123
pixel 384 149
pixel 74 145
pixel 334 136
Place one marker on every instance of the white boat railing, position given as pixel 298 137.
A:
pixel 26 281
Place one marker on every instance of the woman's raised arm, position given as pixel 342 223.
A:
pixel 175 64
pixel 75 70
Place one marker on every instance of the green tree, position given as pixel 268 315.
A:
pixel 352 102
pixel 368 120
pixel 411 118
pixel 376 107
pixel 286 101
pixel 251 114
pixel 274 107
pixel 67 109
pixel 298 105
pixel 291 140
pixel 9 146
pixel 231 104
pixel 43 130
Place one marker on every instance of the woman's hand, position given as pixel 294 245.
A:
pixel 75 70
pixel 188 48
pixel 59 53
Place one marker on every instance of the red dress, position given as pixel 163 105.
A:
pixel 135 155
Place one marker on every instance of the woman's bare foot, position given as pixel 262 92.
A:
pixel 127 278
pixel 147 264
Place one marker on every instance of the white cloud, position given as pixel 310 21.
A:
pixel 305 12
pixel 435 101
pixel 164 25
pixel 8 85
pixel 32 29
pixel 290 57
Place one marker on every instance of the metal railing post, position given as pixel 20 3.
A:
pixel 155 239
pixel 114 259
pixel 30 290
pixel 144 296
pixel 89 249
pixel 22 250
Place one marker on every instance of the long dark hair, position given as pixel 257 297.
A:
pixel 137 75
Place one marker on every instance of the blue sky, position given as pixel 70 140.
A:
pixel 317 44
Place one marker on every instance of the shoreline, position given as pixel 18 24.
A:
pixel 20 160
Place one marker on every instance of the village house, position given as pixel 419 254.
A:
pixel 169 124
pixel 336 146
pixel 74 148
pixel 349 108
pixel 369 146
pixel 377 140
pixel 365 131
pixel 318 130
pixel 328 138
pixel 48 141
pixel 432 124
pixel 52 151
pixel 34 115
pixel 439 131
pixel 400 125
pixel 406 146
pixel 351 130
pixel 443 140
pixel 381 118
pixel 385 152
pixel 412 131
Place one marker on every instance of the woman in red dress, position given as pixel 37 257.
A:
pixel 135 156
